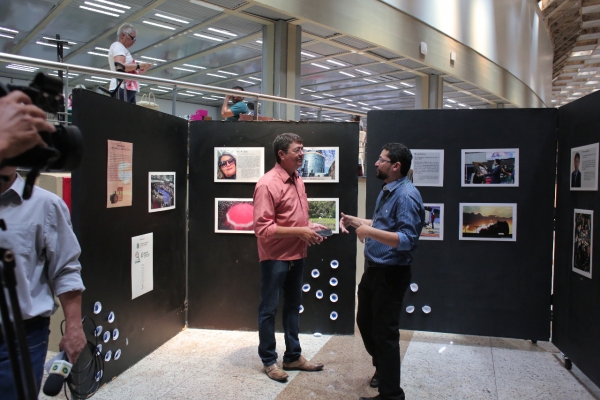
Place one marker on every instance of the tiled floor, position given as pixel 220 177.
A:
pixel 205 364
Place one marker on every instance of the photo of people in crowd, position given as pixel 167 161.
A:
pixel 488 221
pixel 161 196
pixel 490 167
pixel 584 167
pixel 325 212
pixel 433 228
pixel 239 164
pixel 234 215
pixel 320 165
pixel 582 242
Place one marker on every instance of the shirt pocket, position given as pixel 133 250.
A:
pixel 18 238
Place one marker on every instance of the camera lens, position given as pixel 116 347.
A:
pixel 67 140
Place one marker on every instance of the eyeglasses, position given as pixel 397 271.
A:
pixel 297 150
pixel 381 160
pixel 133 38
pixel 227 162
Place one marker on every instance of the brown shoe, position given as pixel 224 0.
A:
pixel 302 364
pixel 276 373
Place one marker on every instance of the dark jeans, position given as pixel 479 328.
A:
pixel 380 295
pixel 130 95
pixel 37 340
pixel 275 276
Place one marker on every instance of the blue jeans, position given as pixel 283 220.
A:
pixel 275 276
pixel 130 95
pixel 37 341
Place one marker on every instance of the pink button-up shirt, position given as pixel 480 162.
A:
pixel 279 200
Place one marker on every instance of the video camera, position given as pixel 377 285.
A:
pixel 65 145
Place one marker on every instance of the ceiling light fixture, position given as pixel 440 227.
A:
pixel 408 92
pixel 365 108
pixel 248 82
pixel 171 18
pixel 341 98
pixel 97 81
pixel 6 36
pixel 364 104
pixel 100 77
pixel 379 108
pixel 328 95
pixel 97 54
pixel 8 30
pixel 320 66
pixel 113 4
pixel 462 105
pixel 351 105
pixel 198 93
pixel 22 67
pixel 209 98
pixel 208 37
pixel 51 45
pixel 581 53
pixel 307 54
pixel 165 87
pixel 347 74
pixel 184 94
pixel 159 25
pixel 218 76
pixel 314 95
pixel 451 101
pixel 405 84
pixel 256 79
pixel 362 72
pixel 223 32
pixel 89 3
pixel 159 90
pixel 370 80
pixel 259 41
pixel 308 90
pixel 228 73
pixel 392 87
pixel 153 59
pixel 99 11
pixel 334 101
pixel 336 63
pixel 101 48
pixel 184 69
pixel 447 105
pixel 193 66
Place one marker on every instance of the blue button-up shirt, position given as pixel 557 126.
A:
pixel 46 250
pixel 399 209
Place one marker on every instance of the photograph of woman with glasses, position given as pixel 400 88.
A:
pixel 226 166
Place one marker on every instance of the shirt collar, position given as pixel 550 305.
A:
pixel 283 173
pixel 393 185
pixel 17 187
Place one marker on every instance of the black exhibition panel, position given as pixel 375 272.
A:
pixel 576 324
pixel 224 270
pixel 487 288
pixel 105 234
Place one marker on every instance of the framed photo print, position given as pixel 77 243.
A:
pixel 584 168
pixel 433 228
pixel 490 167
pixel 161 191
pixel 320 165
pixel 234 215
pixel 488 221
pixel 325 211
pixel 239 164
pixel 583 230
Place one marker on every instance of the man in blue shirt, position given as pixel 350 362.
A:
pixel 390 239
pixel 239 107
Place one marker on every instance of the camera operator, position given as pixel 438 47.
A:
pixel 20 122
pixel 40 235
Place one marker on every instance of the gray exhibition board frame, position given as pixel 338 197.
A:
pixel 576 322
pixel 159 144
pixel 224 270
pixel 479 287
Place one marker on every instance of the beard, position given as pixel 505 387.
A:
pixel 381 175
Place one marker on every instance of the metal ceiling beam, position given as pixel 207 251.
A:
pixel 41 25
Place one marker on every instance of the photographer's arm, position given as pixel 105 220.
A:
pixel 20 122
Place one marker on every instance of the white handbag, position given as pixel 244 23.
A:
pixel 149 103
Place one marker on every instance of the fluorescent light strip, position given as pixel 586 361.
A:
pixel 52 45
pixel 379 108
pixel 101 78
pixel 198 93
pixel 159 25
pixel 364 104
pixel 370 80
pixel 347 74
pixel 218 97
pixel 451 101
pixel 327 94
pixel 159 90
pixel 97 81
pixel 209 98
pixel 336 63
pixel 153 59
pixel 193 66
pixel 49 38
pixel 307 54
pixel 256 79
pixel 185 94
pixel 183 69
pixel 165 87
pixel 19 66
pixel 171 18
pixel 351 105
pixel 341 98
pixel 99 11
pixel 334 101
pixel 143 84
pixel 259 41
pixel 228 73
pixel 223 32
pixel 320 66
pixel 365 108
pixel 6 36
pixel 218 76
pixel 113 4
pixel 362 72
pixel 101 48
pixel 97 54
pixel 391 87
pixel 405 84
pixel 461 104
pixel 308 90
pixel 408 92
pixel 208 37
pixel 248 82
pixel 447 105
pixel 103 7
pixel 8 30
pixel 314 95
pixel 53 74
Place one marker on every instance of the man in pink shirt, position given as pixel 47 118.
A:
pixel 284 232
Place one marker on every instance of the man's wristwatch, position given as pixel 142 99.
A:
pixel 137 66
